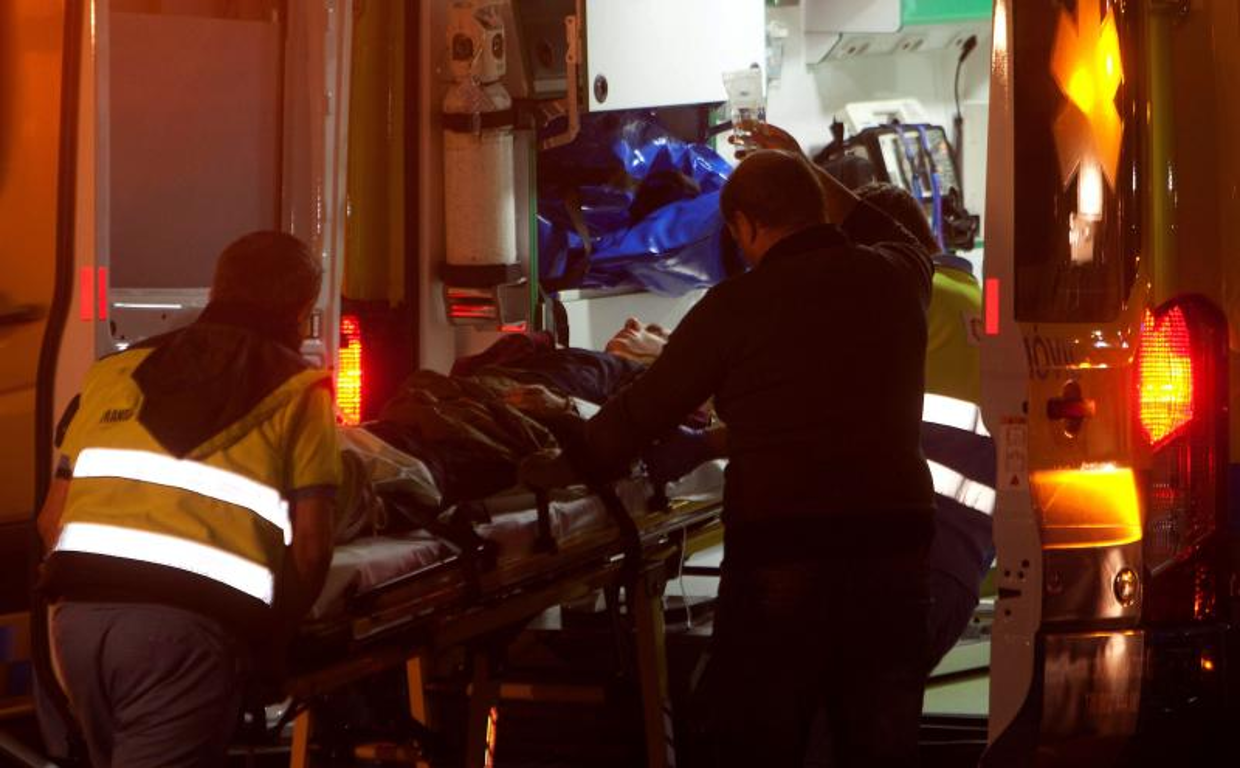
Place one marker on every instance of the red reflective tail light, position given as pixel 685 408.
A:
pixel 1181 410
pixel 349 381
pixel 1165 375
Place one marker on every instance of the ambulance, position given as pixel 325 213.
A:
pixel 398 139
pixel 1110 359
pixel 1110 342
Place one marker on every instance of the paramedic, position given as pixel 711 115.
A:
pixel 815 360
pixel 191 514
pixel 959 450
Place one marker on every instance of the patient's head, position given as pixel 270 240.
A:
pixel 638 341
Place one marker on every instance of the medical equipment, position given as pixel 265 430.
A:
pixel 919 158
pixel 480 212
pixel 747 102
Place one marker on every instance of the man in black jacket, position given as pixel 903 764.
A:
pixel 815 360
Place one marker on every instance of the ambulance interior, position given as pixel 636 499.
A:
pixel 197 123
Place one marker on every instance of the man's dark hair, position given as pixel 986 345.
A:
pixel 777 190
pixel 271 271
pixel 897 203
pixel 851 171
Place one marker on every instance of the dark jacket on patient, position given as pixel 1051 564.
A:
pixel 470 439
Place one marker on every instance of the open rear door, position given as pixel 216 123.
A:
pixel 1110 243
pixel 38 77
pixel 41 71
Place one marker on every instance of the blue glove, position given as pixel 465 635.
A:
pixel 677 454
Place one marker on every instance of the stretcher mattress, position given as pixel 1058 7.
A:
pixel 368 563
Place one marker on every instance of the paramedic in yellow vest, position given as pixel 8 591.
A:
pixel 958 448
pixel 191 514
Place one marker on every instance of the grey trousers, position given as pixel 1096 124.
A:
pixel 149 685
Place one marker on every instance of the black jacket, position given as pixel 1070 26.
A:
pixel 816 362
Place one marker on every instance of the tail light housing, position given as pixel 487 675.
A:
pixel 349 372
pixel 1165 376
pixel 1181 393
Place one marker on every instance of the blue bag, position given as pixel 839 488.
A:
pixel 629 206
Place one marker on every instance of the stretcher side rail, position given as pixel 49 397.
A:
pixel 438 586
pixel 543 473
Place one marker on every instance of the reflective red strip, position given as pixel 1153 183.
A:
pixel 103 293
pixel 992 307
pixel 86 276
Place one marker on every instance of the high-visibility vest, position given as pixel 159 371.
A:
pixel 959 450
pixel 218 512
pixel 953 331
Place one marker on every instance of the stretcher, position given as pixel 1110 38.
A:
pixel 398 601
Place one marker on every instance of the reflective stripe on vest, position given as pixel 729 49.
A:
pixel 172 552
pixel 950 412
pixel 950 483
pixel 202 479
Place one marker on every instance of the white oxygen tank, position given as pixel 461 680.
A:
pixel 480 201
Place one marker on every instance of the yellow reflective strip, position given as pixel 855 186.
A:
pixel 170 551
pixel 192 476
pixel 972 494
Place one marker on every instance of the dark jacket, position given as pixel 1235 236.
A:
pixel 816 363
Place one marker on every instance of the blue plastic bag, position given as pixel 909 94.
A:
pixel 648 201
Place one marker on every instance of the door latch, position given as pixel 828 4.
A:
pixel 1071 408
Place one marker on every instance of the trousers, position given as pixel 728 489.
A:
pixel 149 685
pixel 845 637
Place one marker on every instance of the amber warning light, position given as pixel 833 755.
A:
pixel 349 372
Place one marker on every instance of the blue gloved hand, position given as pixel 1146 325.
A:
pixel 677 454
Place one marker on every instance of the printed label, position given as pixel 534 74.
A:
pixel 1013 449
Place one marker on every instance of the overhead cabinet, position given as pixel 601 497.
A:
pixel 644 53
pixel 649 53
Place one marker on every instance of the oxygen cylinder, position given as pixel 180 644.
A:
pixel 480 200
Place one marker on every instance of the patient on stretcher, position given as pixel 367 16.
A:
pixel 443 440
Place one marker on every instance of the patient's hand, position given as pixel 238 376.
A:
pixel 681 451
pixel 538 401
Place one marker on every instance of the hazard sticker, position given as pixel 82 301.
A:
pixel 1013 449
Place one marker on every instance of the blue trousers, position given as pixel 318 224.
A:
pixel 150 686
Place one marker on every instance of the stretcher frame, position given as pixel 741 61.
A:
pixel 407 622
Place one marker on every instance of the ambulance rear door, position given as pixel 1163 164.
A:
pixel 1066 240
pixel 41 283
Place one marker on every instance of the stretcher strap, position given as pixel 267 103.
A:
pixel 658 497
pixel 629 532
pixel 547 470
pixel 477 554
pixel 546 538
